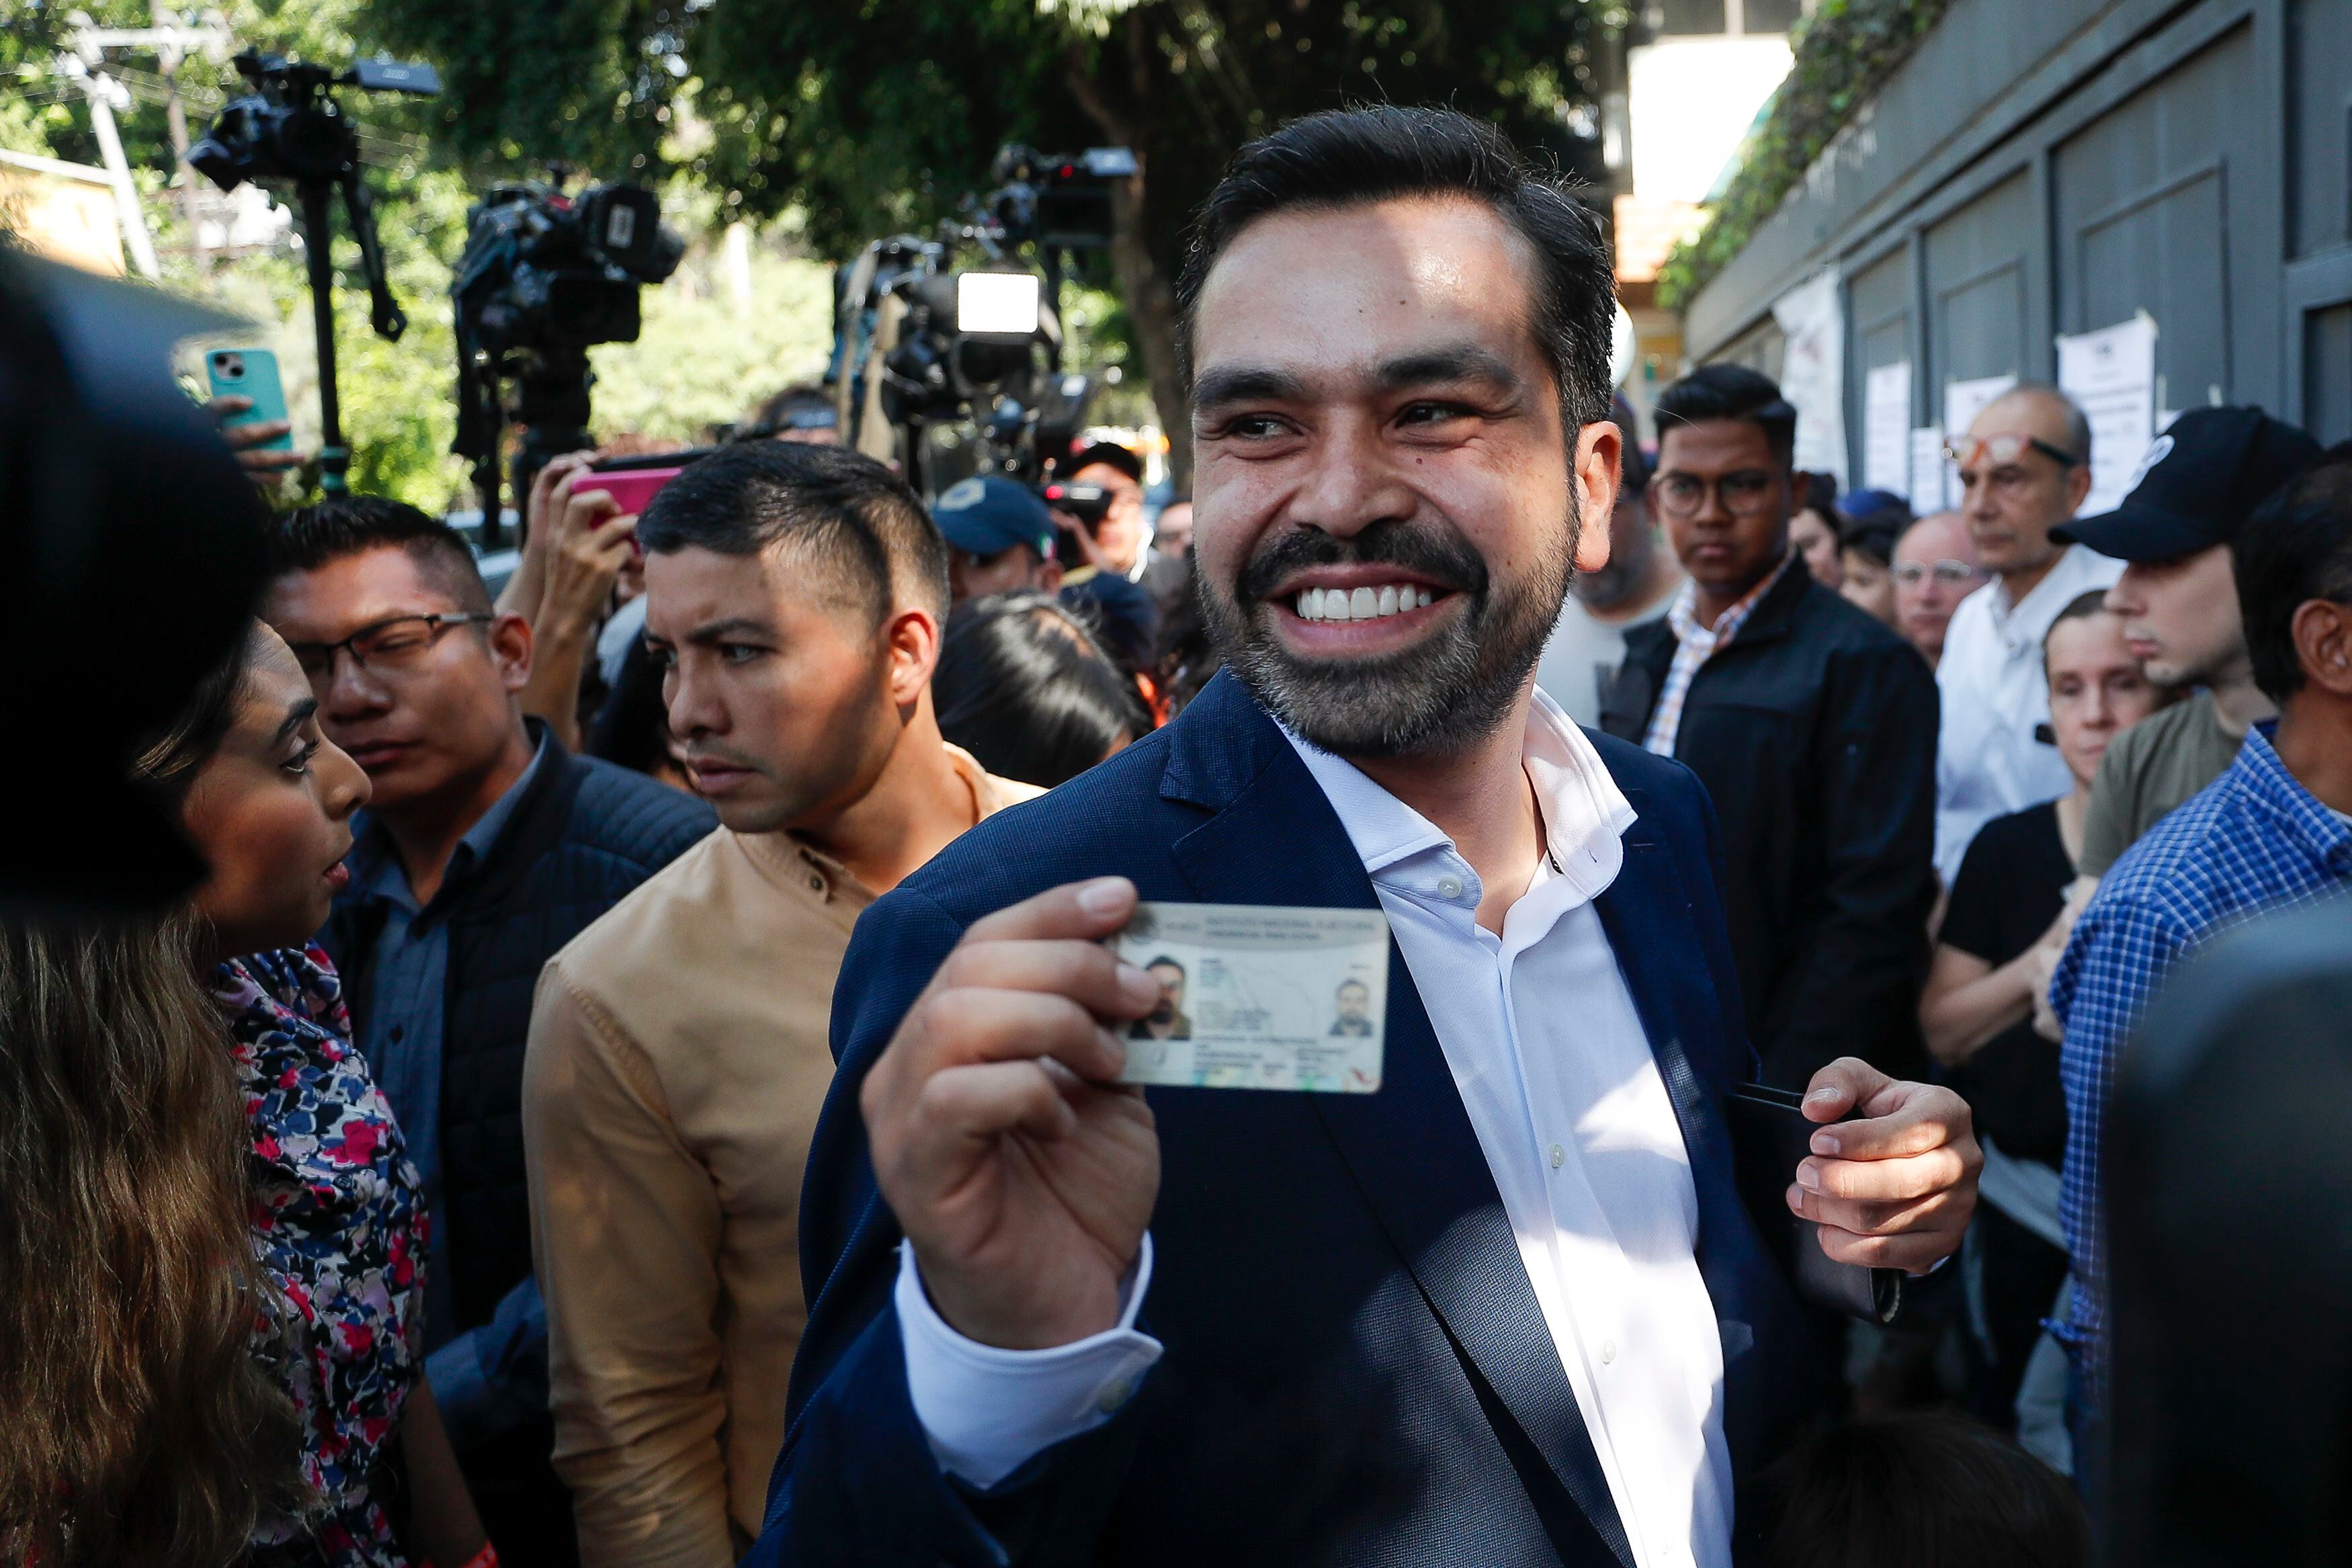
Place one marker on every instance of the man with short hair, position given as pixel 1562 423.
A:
pixel 1000 537
pixel 678 1049
pixel 1935 566
pixel 1812 726
pixel 1109 573
pixel 2179 602
pixel 1513 1305
pixel 2024 467
pixel 1354 1004
pixel 1172 533
pixel 485 847
pixel 1635 587
pixel 803 413
pixel 2274 830
pixel 1166 1020
pixel 1115 543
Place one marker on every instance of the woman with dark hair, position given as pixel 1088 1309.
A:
pixel 1866 562
pixel 1817 532
pixel 1024 687
pixel 213 1239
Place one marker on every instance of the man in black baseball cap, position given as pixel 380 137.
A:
pixel 2179 601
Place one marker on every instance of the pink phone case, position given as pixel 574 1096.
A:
pixel 630 489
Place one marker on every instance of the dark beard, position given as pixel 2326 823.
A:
pixel 1439 697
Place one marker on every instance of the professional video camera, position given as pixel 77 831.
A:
pixel 963 368
pixel 545 275
pixel 291 127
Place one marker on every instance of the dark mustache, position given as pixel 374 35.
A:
pixel 1444 558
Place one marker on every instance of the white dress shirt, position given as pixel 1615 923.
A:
pixel 1538 1028
pixel 1994 693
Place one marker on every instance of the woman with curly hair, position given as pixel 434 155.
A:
pixel 211 1253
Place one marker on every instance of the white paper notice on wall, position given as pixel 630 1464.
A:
pixel 1930 486
pixel 1963 401
pixel 1886 427
pixel 2111 374
pixel 1812 371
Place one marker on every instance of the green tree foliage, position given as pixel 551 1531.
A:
pixel 1844 50
pixel 871 116
pixel 848 119
pixel 704 357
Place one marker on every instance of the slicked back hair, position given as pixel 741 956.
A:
pixel 1355 157
pixel 309 539
pixel 1729 391
pixel 2297 546
pixel 838 510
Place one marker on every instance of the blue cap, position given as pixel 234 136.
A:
pixel 990 514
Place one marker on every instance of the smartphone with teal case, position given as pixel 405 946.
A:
pixel 250 373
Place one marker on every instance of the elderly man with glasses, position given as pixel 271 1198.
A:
pixel 1935 566
pixel 487 846
pixel 1810 724
pixel 2024 468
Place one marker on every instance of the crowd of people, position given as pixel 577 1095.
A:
pixel 632 1087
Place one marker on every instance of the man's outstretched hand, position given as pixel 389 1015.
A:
pixel 1023 1177
pixel 1895 1189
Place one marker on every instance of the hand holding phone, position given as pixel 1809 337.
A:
pixel 249 402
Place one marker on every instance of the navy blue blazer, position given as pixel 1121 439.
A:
pixel 1355 1369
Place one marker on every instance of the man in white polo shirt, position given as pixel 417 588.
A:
pixel 2025 466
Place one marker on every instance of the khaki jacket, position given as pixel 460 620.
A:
pixel 676 1064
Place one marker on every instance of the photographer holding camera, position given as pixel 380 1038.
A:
pixel 1099 518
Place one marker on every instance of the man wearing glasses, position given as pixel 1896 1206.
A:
pixel 2024 467
pixel 1810 724
pixel 486 847
pixel 1934 568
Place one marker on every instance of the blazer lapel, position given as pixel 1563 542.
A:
pixel 1274 838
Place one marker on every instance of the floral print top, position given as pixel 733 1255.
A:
pixel 340 1224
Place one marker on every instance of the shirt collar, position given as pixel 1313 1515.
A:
pixel 2060 583
pixel 2324 834
pixel 377 871
pixel 1683 615
pixel 1585 814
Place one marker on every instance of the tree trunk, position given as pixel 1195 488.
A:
pixel 1143 284
pixel 1152 315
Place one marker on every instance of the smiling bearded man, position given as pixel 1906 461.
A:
pixel 1513 1304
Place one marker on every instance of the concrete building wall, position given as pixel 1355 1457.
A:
pixel 2047 166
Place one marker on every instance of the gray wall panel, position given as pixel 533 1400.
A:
pixel 2319 124
pixel 2147 199
pixel 1977 260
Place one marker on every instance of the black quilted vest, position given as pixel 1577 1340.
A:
pixel 581 837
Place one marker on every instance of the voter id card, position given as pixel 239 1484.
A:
pixel 1257 997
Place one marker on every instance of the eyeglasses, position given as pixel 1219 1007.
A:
pixel 1951 573
pixel 1969 451
pixel 1744 493
pixel 391 647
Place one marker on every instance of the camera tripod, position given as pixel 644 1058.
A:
pixel 290 128
pixel 384 313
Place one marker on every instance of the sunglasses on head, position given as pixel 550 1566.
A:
pixel 1969 450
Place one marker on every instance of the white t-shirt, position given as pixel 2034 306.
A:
pixel 1584 651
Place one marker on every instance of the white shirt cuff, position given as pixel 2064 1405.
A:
pixel 987 1412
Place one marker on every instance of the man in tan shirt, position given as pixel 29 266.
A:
pixel 678 1057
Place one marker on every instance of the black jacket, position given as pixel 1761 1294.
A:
pixel 583 836
pixel 1814 730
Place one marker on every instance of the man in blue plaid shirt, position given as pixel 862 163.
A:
pixel 2274 830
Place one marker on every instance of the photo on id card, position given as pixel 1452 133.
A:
pixel 1257 997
